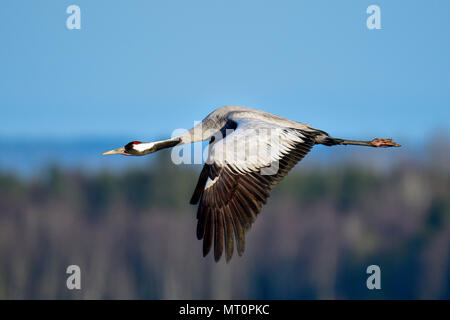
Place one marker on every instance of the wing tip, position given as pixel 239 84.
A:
pixel 194 199
pixel 217 258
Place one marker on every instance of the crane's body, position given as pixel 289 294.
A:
pixel 250 152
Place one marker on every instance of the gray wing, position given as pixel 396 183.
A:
pixel 234 185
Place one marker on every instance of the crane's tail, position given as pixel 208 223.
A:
pixel 377 143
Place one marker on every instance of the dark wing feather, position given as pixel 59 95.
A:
pixel 230 205
pixel 200 184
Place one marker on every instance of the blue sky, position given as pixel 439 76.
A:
pixel 143 68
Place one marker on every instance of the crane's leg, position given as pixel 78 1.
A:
pixel 377 143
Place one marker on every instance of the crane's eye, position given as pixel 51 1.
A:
pixel 129 146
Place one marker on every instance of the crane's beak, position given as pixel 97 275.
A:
pixel 120 150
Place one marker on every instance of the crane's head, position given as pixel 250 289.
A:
pixel 134 148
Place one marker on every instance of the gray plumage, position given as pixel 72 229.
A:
pixel 250 151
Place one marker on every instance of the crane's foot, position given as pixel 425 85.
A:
pixel 383 143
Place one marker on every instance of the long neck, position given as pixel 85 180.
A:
pixel 200 132
pixel 158 145
pixel 150 147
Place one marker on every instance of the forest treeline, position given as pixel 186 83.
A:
pixel 133 234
